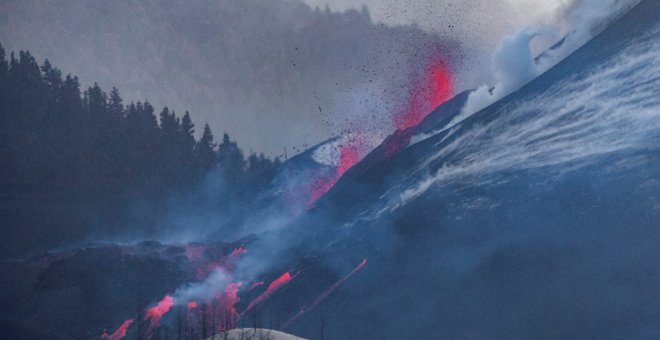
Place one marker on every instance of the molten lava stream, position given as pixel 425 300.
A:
pixel 120 332
pixel 349 155
pixel 154 314
pixel 272 288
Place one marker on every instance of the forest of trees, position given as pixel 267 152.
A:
pixel 243 66
pixel 60 144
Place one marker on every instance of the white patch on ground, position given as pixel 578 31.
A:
pixel 328 153
pixel 254 334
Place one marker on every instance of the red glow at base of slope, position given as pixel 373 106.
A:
pixel 227 263
pixel 220 312
pixel 349 155
pixel 238 251
pixel 120 332
pixel 230 299
pixel 326 293
pixel 203 271
pixel 195 252
pixel 428 91
pixel 154 314
pixel 272 288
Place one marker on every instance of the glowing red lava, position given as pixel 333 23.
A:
pixel 195 252
pixel 349 155
pixel 220 312
pixel 428 91
pixel 120 332
pixel 155 313
pixel 203 269
pixel 272 288
pixel 238 251
pixel 230 298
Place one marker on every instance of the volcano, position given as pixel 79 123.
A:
pixel 536 217
pixel 533 218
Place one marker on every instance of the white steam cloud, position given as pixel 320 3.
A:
pixel 514 62
pixel 513 65
pixel 214 285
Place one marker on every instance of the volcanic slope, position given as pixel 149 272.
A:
pixel 536 217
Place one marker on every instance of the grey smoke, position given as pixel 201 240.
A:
pixel 272 74
pixel 204 291
pixel 514 64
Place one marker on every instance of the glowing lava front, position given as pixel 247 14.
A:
pixel 161 308
pixel 349 155
pixel 230 298
pixel 272 288
pixel 120 332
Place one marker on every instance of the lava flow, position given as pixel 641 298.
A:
pixel 272 288
pixel 325 294
pixel 154 314
pixel 428 91
pixel 238 251
pixel 349 155
pixel 230 298
pixel 120 332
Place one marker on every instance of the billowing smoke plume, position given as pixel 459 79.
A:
pixel 513 65
pixel 514 62
pixel 204 291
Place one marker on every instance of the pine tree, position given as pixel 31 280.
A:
pixel 187 131
pixel 205 151
pixel 4 65
pixel 230 159
pixel 96 102
pixel 115 106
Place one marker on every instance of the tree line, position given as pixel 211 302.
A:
pixel 55 136
pixel 75 162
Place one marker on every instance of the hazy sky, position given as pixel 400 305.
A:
pixel 479 25
pixel 482 20
pixel 272 74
